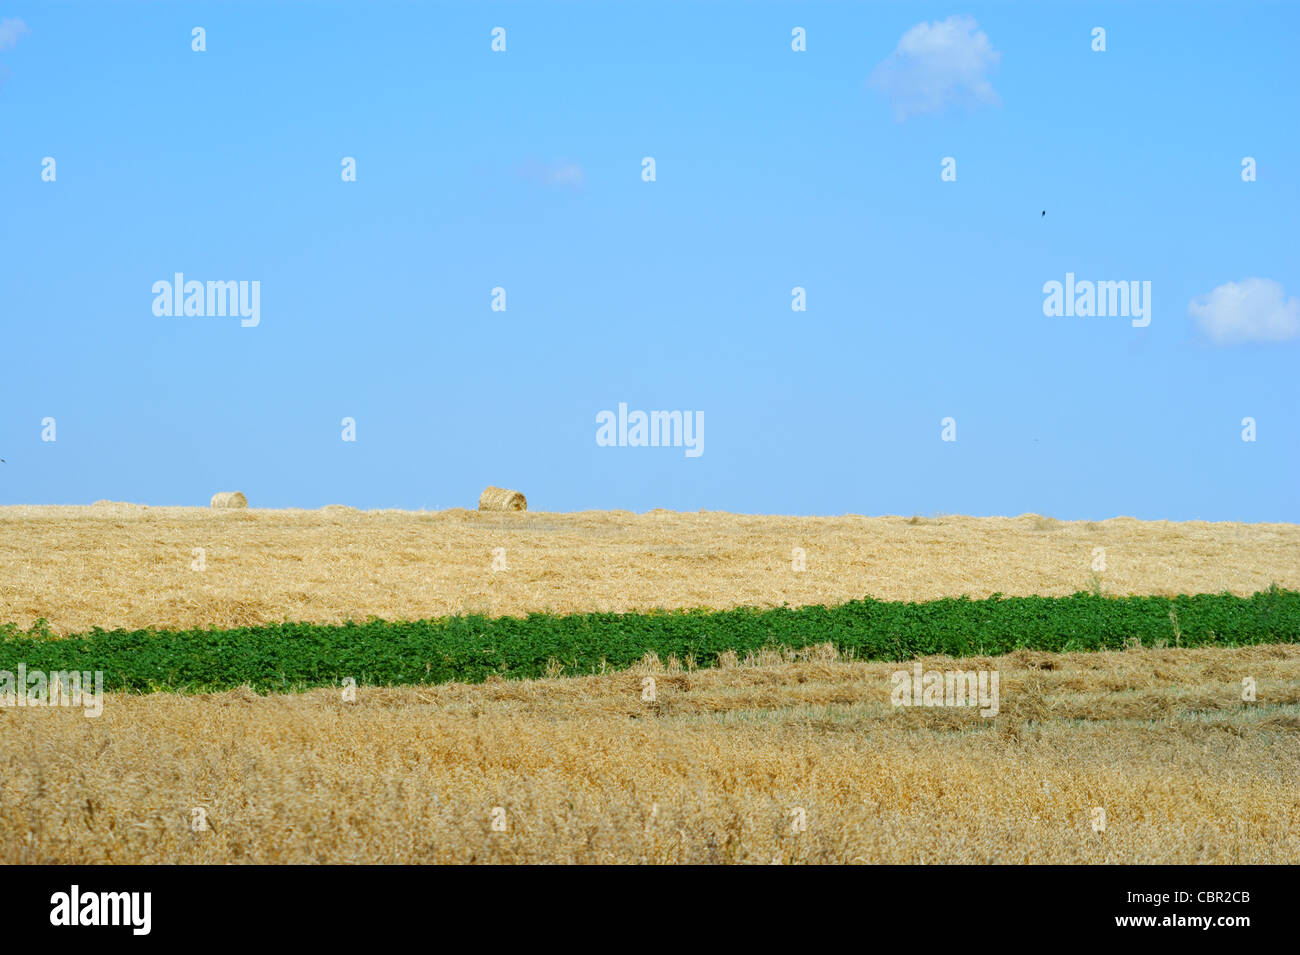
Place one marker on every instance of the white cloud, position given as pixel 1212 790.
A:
pixel 563 174
pixel 1253 310
pixel 937 65
pixel 10 30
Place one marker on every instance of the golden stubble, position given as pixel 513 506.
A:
pixel 584 770
pixel 116 565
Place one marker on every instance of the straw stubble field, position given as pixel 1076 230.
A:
pixel 128 566
pixel 584 771
pixel 583 768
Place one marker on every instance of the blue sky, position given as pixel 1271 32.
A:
pixel 774 169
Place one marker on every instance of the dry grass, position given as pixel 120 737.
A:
pixel 586 772
pixel 126 565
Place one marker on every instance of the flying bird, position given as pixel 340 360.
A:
pixel 1044 213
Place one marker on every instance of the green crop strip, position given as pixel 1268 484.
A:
pixel 295 656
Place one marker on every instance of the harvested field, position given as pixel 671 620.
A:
pixel 583 768
pixel 130 566
pixel 585 771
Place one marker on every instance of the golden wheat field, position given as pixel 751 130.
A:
pixel 794 758
pixel 716 770
pixel 130 566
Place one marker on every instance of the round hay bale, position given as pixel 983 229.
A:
pixel 229 499
pixel 500 499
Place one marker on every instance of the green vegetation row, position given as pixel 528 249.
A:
pixel 296 656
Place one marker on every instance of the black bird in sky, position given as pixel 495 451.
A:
pixel 1044 213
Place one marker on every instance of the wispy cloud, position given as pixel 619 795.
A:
pixel 937 65
pixel 565 175
pixel 1253 310
pixel 10 30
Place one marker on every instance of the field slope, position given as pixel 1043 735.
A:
pixel 120 566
